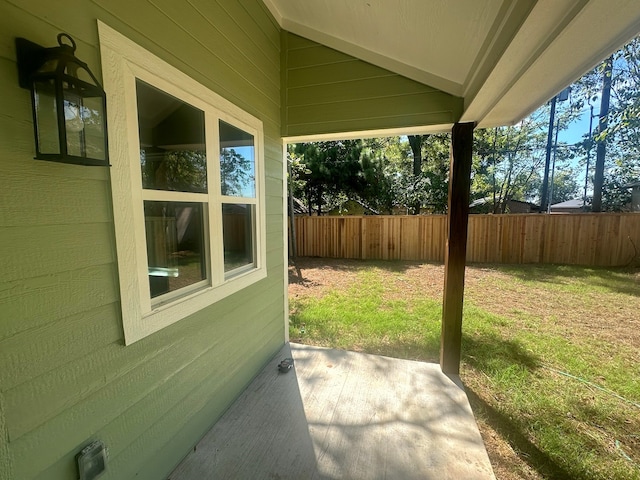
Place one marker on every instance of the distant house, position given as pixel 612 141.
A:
pixel 352 207
pixel 635 195
pixel 299 208
pixel 485 205
pixel 575 205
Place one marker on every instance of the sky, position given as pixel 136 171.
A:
pixel 577 129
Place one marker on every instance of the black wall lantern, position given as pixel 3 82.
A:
pixel 69 105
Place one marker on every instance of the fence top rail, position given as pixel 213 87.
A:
pixel 481 215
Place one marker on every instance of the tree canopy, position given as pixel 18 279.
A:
pixel 409 174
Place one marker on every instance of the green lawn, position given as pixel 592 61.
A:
pixel 551 357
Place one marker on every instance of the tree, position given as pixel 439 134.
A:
pixel 236 173
pixel 422 184
pixel 620 128
pixel 598 177
pixel 181 170
pixel 332 171
pixel 507 162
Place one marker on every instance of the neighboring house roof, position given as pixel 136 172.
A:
pixel 353 207
pixel 576 203
pixel 299 208
pixel 478 202
pixel 489 201
pixel 632 185
pixel 504 58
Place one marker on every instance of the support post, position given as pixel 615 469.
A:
pixel 456 248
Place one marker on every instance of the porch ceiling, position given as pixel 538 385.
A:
pixel 504 57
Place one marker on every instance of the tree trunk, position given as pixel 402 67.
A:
pixel 598 176
pixel 319 200
pixel 416 148
pixel 544 200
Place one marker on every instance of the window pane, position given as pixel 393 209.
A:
pixel 237 228
pixel 175 245
pixel 237 162
pixel 172 142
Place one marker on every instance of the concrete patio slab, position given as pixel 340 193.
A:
pixel 344 415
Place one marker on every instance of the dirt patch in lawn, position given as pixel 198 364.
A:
pixel 606 315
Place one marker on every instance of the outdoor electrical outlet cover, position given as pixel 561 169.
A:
pixel 92 461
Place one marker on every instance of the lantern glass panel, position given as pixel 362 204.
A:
pixel 93 116
pixel 46 117
pixel 74 125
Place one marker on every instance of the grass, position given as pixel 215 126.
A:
pixel 550 353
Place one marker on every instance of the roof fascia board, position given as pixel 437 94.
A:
pixel 545 23
pixel 274 11
pixel 510 18
pixel 579 47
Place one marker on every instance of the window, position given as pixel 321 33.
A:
pixel 188 189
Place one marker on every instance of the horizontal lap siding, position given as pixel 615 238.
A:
pixel 326 91
pixel 581 239
pixel 65 375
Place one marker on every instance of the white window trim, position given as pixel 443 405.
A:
pixel 122 62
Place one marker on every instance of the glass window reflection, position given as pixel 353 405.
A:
pixel 172 142
pixel 175 245
pixel 237 162
pixel 237 227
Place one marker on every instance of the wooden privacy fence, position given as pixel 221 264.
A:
pixel 582 239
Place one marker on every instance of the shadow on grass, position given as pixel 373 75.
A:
pixel 625 280
pixel 498 359
pixel 508 429
pixel 489 352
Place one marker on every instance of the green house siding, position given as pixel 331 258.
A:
pixel 326 91
pixel 66 377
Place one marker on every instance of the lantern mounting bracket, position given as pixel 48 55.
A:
pixel 30 57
